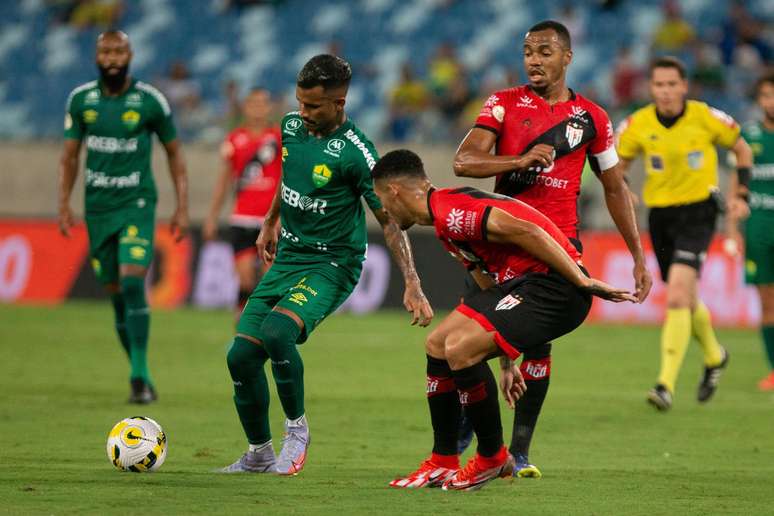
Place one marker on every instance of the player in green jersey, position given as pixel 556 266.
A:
pixel 116 117
pixel 759 226
pixel 314 236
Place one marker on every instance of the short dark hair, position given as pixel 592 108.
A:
pixel 399 163
pixel 766 78
pixel 559 28
pixel 668 62
pixel 325 70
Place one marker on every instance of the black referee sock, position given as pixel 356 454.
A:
pixel 478 394
pixel 444 406
pixel 526 415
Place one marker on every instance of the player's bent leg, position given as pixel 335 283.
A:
pixel 246 360
pixel 766 293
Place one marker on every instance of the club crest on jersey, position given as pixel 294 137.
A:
pixel 130 119
pixel 334 147
pixel 508 302
pixel 321 174
pixel 454 220
pixel 574 134
pixel 695 159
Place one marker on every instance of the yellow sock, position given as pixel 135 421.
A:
pixel 675 336
pixel 701 325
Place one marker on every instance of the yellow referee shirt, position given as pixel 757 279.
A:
pixel 680 161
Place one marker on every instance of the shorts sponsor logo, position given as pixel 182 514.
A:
pixel 335 147
pixel 292 125
pixel 508 302
pixel 97 179
pixel 90 116
pixel 111 145
pixel 298 298
pixel 137 252
pixel 96 266
pixel 536 370
pixel 130 119
pixel 302 202
pixel 432 386
pixel 454 220
pixel 321 174
pixel 301 285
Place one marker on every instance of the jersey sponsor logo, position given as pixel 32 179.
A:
pixel 492 101
pixel 90 116
pixel 302 202
pixel 508 302
pixel 130 119
pixel 292 125
pixel 334 147
pixel 695 159
pixel 133 100
pixel 761 201
pixel 321 174
pixel 355 139
pixel 454 220
pixel 573 133
pixel 526 101
pixel 92 98
pixel 111 145
pixel 97 179
pixel 287 235
pixel 763 171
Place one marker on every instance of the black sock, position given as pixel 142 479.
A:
pixel 478 394
pixel 444 406
pixel 536 374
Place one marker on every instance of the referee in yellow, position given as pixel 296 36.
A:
pixel 677 139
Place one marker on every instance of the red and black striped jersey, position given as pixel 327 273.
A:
pixel 460 216
pixel 576 129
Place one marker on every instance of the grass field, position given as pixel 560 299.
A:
pixel 63 384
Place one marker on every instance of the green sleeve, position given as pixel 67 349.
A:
pixel 74 127
pixel 161 121
pixel 360 172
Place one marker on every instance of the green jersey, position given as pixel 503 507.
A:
pixel 761 140
pixel 323 180
pixel 117 131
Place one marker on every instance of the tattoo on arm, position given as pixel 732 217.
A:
pixel 398 244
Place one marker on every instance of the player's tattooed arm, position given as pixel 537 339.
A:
pixel 504 228
pixel 179 222
pixel 68 171
pixel 620 205
pixel 398 243
pixel 474 158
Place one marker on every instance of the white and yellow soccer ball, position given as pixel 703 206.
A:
pixel 137 444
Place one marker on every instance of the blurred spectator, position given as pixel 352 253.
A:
pixel 741 28
pixel 708 72
pixel 675 33
pixel 184 95
pixel 407 100
pixel 574 20
pixel 86 14
pixel 443 70
pixel 229 108
pixel 626 79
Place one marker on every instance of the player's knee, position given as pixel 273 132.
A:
pixel 457 351
pixel 679 294
pixel 242 357
pixel 434 344
pixel 279 333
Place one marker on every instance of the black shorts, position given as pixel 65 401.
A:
pixel 682 234
pixel 527 312
pixel 243 239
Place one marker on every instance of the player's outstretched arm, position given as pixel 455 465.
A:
pixel 621 208
pixel 503 228
pixel 473 158
pixel 397 241
pixel 180 222
pixel 68 171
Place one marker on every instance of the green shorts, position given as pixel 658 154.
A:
pixel 311 291
pixel 759 250
pixel 122 236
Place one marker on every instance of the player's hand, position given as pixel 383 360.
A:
pixel 179 224
pixel 541 155
pixel 66 220
pixel 643 281
pixel 210 230
pixel 266 243
pixel 512 385
pixel 601 289
pixel 415 302
pixel 738 209
pixel 733 243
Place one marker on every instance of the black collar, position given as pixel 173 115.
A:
pixel 669 121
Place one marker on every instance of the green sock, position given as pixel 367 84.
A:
pixel 137 325
pixel 280 334
pixel 246 362
pixel 768 343
pixel 119 307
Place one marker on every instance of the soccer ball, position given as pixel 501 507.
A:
pixel 137 444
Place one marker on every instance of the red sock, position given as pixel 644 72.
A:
pixel 446 461
pixel 495 460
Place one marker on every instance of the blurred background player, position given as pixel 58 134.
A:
pixel 677 138
pixel 117 116
pixel 252 166
pixel 314 236
pixel 759 227
pixel 542 134
pixel 532 290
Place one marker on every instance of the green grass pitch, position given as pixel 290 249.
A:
pixel 602 450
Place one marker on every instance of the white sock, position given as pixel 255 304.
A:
pixel 259 447
pixel 297 422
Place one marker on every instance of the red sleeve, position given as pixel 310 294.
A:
pixel 492 113
pixel 461 218
pixel 602 147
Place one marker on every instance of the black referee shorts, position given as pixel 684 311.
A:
pixel 682 234
pixel 243 239
pixel 529 311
